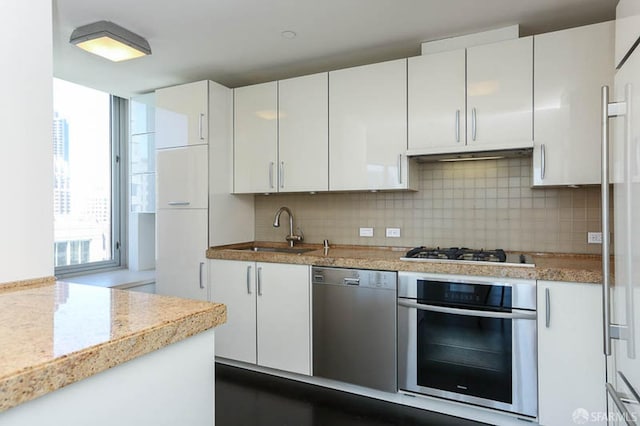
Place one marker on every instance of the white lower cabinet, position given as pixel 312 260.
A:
pixel 268 313
pixel 181 241
pixel 571 363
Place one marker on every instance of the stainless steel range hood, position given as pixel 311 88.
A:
pixel 471 155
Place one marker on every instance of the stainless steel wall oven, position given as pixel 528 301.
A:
pixel 470 339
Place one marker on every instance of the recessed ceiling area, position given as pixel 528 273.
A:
pixel 240 42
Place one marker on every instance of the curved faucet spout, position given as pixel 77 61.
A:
pixel 292 238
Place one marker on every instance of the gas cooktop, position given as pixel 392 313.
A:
pixel 467 255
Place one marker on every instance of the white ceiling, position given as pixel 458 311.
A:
pixel 238 42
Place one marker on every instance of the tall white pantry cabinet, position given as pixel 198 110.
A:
pixel 194 208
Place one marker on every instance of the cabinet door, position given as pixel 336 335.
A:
pixel 181 242
pixel 571 364
pixel 627 28
pixel 436 102
pixel 303 133
pixel 284 312
pixel 182 115
pixel 256 138
pixel 570 68
pixel 233 283
pixel 368 127
pixel 499 95
pixel 182 177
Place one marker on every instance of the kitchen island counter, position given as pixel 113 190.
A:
pixel 548 266
pixel 54 334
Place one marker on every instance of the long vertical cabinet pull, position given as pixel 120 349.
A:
pixel 248 279
pixel 271 174
pixel 259 281
pixel 457 125
pixel 281 177
pixel 547 299
pixel 543 161
pixel 474 126
pixel 399 168
pixel 200 124
pixel 200 275
pixel 614 331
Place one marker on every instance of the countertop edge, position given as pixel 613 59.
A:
pixel 40 379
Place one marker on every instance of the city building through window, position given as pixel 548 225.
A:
pixel 87 138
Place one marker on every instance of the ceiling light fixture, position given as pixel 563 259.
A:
pixel 110 41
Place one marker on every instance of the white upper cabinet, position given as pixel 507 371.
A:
pixel 303 133
pixel 181 115
pixel 436 101
pixel 256 138
pixel 570 68
pixel 500 95
pixel 182 178
pixel 627 28
pixel 368 127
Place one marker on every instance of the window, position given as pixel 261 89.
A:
pixel 88 129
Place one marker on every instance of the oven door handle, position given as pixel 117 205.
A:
pixel 514 314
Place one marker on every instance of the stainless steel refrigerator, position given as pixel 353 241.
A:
pixel 621 175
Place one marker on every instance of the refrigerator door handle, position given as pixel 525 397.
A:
pixel 617 400
pixel 611 331
pixel 633 390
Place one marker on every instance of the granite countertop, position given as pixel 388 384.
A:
pixel 548 266
pixel 53 333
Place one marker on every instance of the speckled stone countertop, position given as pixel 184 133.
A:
pixel 548 266
pixel 53 333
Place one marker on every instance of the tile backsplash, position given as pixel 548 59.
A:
pixel 480 204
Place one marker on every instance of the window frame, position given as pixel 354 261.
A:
pixel 119 192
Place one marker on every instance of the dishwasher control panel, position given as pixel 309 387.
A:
pixel 354 277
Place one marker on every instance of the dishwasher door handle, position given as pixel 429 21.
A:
pixel 351 281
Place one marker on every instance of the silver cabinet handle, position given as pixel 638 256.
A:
pixel 281 177
pixel 547 298
pixel 473 124
pixel 271 174
pixel 514 314
pixel 615 397
pixel 178 203
pixel 543 158
pixel 399 168
pixel 457 125
pixel 200 275
pixel 248 279
pixel 259 281
pixel 201 120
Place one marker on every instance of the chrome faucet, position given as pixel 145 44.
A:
pixel 292 238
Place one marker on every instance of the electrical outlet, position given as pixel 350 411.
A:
pixel 594 237
pixel 366 232
pixel 393 232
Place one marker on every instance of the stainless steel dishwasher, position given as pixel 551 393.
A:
pixel 354 326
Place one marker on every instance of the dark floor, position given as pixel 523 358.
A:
pixel 247 398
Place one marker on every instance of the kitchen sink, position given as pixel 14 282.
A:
pixel 290 250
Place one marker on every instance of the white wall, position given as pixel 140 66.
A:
pixel 26 171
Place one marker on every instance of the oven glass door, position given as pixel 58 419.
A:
pixel 491 362
pixel 465 354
